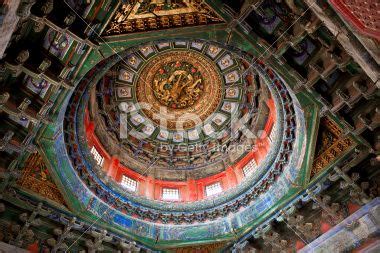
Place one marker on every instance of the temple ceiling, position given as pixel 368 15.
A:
pixel 180 129
pixel 217 70
pixel 37 179
pixel 149 74
pixel 179 103
pixel 137 16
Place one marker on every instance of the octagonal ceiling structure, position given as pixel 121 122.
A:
pixel 231 93
pixel 182 126
pixel 217 92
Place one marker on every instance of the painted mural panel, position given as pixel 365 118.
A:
pixel 137 16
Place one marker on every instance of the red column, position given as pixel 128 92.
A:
pixel 224 181
pixel 113 168
pixel 149 189
pixel 192 190
pixel 239 174
pixel 90 132
pixel 157 191
pixel 201 191
pixel 142 186
pixel 260 151
pixel 231 177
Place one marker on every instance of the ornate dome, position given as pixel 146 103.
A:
pixel 241 102
pixel 188 125
pixel 177 107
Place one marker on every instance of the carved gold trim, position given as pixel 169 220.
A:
pixel 127 18
pixel 43 186
pixel 333 151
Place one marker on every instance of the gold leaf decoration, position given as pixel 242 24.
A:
pixel 137 16
pixel 331 145
pixel 36 177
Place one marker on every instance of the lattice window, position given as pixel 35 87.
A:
pixel 129 183
pixel 272 134
pixel 249 167
pixel 98 158
pixel 213 189
pixel 170 194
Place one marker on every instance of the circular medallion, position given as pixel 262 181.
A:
pixel 179 89
pixel 178 85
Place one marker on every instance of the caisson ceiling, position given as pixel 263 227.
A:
pixel 179 106
pixel 220 77
pixel 187 126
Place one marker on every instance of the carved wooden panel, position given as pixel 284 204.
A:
pixel 330 145
pixel 36 177
pixel 138 16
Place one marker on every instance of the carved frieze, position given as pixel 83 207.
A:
pixel 37 178
pixel 331 145
pixel 137 16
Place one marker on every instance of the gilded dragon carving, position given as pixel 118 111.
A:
pixel 179 89
pixel 178 84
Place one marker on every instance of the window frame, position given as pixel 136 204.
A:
pixel 99 159
pixel 252 165
pixel 125 178
pixel 170 197
pixel 209 187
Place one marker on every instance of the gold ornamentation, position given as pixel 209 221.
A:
pixel 214 49
pixel 145 49
pixel 231 77
pixel 134 16
pixel 180 88
pixel 332 127
pixel 36 178
pixel 125 75
pixel 225 62
pixel 333 145
pixel 184 83
pixel 231 92
pixel 132 60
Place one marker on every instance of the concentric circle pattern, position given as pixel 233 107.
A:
pixel 183 87
pixel 232 94
pixel 184 82
pixel 178 103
